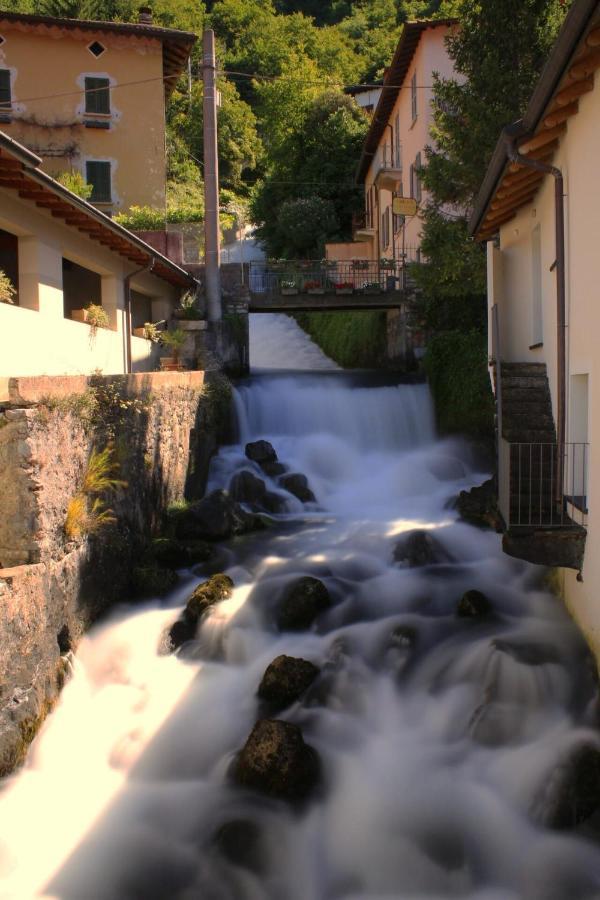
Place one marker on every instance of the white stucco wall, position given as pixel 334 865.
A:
pixel 577 157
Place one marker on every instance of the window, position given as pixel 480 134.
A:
pixel 397 146
pixel 385 229
pixel 5 95
pixel 96 49
pixel 98 174
pixel 413 96
pixel 97 96
pixel 537 324
pixel 418 165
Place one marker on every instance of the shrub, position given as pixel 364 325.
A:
pixel 87 513
pixel 7 289
pixel 76 183
pixel 142 218
pixel 97 316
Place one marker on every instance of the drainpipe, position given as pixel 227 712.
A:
pixel 516 157
pixel 128 353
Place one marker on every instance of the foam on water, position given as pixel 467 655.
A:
pixel 433 758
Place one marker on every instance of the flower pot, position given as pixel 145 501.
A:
pixel 289 292
pixel 79 315
pixel 170 364
pixel 139 332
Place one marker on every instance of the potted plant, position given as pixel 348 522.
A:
pixel 343 287
pixel 188 307
pixel 372 287
pixel 7 288
pixel 360 264
pixel 93 315
pixel 387 264
pixel 149 332
pixel 288 288
pixel 314 287
pixel 175 340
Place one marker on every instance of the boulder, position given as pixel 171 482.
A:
pixel 285 680
pixel 215 518
pixel 571 794
pixel 273 469
pixel 297 485
pixel 240 842
pixel 420 548
pixel 473 605
pixel 276 761
pixel 261 452
pixel 404 637
pixel 175 554
pixel 528 653
pixel 303 602
pixel 203 598
pixel 153 581
pixel 247 488
pixel 479 506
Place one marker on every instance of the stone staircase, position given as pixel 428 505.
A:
pixel 526 404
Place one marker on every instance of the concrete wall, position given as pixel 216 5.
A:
pixel 49 583
pixel 52 66
pixel 510 274
pixel 35 336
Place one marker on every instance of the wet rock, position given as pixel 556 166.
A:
pixel 175 554
pixel 420 548
pixel 404 637
pixel 216 518
pixel 274 503
pixel 397 651
pixel 285 680
pixel 527 652
pixel 261 452
pixel 571 794
pixel 63 639
pixel 153 581
pixel 240 842
pixel 473 605
pixel 276 761
pixel 303 602
pixel 479 506
pixel 273 469
pixel 247 488
pixel 297 484
pixel 205 596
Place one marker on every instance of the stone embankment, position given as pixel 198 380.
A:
pixel 58 576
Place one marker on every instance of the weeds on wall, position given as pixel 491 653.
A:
pixel 87 511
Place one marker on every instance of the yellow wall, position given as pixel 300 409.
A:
pixel 510 271
pixel 35 336
pixel 44 66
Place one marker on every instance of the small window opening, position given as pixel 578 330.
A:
pixel 98 174
pixel 97 96
pixel 96 49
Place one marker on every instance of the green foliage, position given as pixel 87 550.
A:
pixel 96 316
pixel 174 339
pixel 76 183
pixel 7 288
pixel 354 340
pixel 142 218
pixel 456 366
pixel 87 512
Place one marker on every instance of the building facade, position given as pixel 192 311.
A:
pixel 90 97
pixel 62 254
pixel 394 149
pixel 539 211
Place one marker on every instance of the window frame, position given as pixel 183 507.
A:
pixel 99 162
pixel 95 94
pixel 6 104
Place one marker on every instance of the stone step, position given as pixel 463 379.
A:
pixel 524 422
pixel 527 436
pixel 524 381
pixel 532 396
pixel 524 369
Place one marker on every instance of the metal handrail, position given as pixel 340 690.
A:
pixel 534 471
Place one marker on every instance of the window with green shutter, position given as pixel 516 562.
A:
pixel 98 174
pixel 97 96
pixel 5 93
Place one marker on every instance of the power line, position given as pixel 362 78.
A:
pixel 337 83
pixel 84 91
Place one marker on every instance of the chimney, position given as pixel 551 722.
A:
pixel 145 15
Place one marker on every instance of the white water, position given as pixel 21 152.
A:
pixel 127 783
pixel 278 342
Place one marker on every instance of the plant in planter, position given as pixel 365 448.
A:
pixel 149 332
pixel 372 287
pixel 175 340
pixel 314 287
pixel 387 264
pixel 360 264
pixel 288 287
pixel 7 288
pixel 343 287
pixel 188 307
pixel 93 315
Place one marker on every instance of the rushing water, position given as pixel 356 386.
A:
pixel 433 758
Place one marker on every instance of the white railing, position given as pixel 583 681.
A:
pixel 544 485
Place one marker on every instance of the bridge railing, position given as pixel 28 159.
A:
pixel 356 276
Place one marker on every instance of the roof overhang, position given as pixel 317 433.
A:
pixel 565 77
pixel 20 172
pixel 392 85
pixel 176 45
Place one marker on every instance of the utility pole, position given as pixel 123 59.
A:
pixel 212 234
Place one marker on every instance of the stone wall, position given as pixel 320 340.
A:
pixel 163 428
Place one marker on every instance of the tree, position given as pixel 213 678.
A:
pixel 304 225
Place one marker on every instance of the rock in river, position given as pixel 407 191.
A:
pixel 420 548
pixel 571 794
pixel 304 601
pixel 473 605
pixel 297 484
pixel 276 761
pixel 261 452
pixel 205 596
pixel 215 518
pixel 285 680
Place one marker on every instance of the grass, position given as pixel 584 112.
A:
pixel 354 340
pixel 87 513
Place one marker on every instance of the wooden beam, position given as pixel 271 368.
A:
pixel 515 197
pixel 12 164
pixel 593 38
pixel 573 91
pixel 522 174
pixel 518 187
pixel 541 139
pixel 561 115
pixel 515 168
pixel 585 65
pixel 10 182
pixel 485 234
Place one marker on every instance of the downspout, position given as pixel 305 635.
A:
pixel 128 352
pixel 516 157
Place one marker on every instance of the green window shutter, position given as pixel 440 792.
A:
pixel 5 94
pixel 97 96
pixel 98 174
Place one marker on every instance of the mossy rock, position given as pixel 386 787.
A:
pixel 153 581
pixel 207 594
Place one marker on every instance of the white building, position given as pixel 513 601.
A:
pixel 539 211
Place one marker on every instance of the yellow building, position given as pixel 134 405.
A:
pixel 90 97
pixel 539 212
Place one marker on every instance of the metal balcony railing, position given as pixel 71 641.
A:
pixel 543 485
pixel 358 276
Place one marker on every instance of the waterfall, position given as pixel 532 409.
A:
pixel 437 734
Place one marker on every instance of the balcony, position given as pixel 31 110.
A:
pixel 387 167
pixel 363 228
